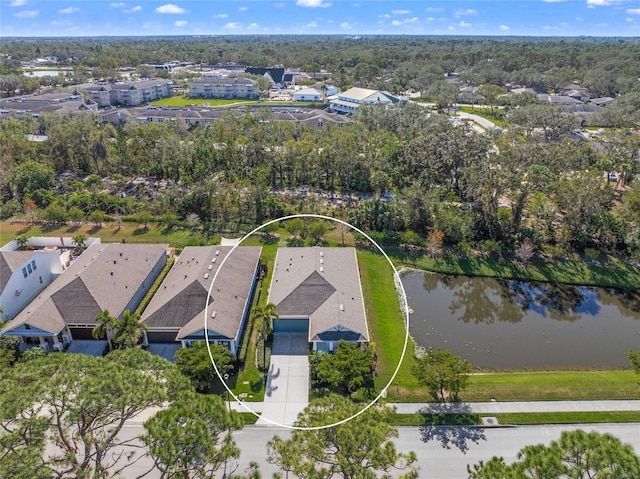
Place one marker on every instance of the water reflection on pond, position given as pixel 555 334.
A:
pixel 504 324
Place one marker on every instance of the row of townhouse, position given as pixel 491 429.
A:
pixel 223 88
pixel 315 290
pixel 129 94
pixel 193 117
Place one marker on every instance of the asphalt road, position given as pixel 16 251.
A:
pixel 448 451
pixel 443 453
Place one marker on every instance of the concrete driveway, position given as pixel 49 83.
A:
pixel 287 391
pixel 92 347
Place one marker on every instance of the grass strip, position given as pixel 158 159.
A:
pixel 154 287
pixel 614 273
pixel 568 417
pixel 418 420
pixel 247 418
pixel 386 326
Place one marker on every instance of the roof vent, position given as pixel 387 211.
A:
pixel 321 261
pixel 112 273
pixel 210 267
pixel 213 315
pixel 217 252
pixel 322 269
pixel 206 276
pixel 321 254
pixel 213 260
pixel 341 307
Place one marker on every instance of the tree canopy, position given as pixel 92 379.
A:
pixel 78 405
pixel 445 374
pixel 348 369
pixel 361 448
pixel 577 454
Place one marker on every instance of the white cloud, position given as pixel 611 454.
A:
pixel 356 5
pixel 18 3
pixel 633 11
pixel 411 20
pixel 313 3
pixel 116 5
pixel 579 19
pixel 312 24
pixel 401 12
pixel 464 24
pixel 430 19
pixel 629 19
pixel 27 14
pixel 170 8
pixel 600 3
pixel 221 15
pixel 346 25
pixel 396 23
pixel 253 25
pixel 504 28
pixel 434 9
pixel 243 9
pixel 386 15
pixel 554 1
pixel 62 23
pixel 232 26
pixel 137 8
pixel 69 10
pixel 180 23
pixel 279 5
pixel 461 13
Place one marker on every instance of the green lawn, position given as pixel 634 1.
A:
pixel 615 272
pixel 386 324
pixel 181 101
pixel 484 113
pixel 553 386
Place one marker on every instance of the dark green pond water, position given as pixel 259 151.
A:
pixel 505 325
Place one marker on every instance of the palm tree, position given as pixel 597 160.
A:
pixel 80 242
pixel 104 328
pixel 262 316
pixel 129 330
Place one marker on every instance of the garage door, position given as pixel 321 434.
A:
pixel 291 326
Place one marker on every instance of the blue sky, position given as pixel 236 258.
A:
pixel 233 17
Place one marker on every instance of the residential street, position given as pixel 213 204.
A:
pixel 438 462
pixel 444 456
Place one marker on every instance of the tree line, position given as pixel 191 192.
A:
pixel 402 169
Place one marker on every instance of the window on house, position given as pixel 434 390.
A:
pixel 33 264
pixel 29 268
pixel 24 272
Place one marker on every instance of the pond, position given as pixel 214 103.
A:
pixel 513 325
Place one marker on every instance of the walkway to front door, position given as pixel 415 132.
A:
pixel 287 392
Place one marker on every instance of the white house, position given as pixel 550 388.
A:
pixel 308 94
pixel 349 100
pixel 24 274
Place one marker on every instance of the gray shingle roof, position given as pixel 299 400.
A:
pixel 181 298
pixel 10 261
pixel 323 284
pixel 105 276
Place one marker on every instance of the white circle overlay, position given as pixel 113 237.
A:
pixel 403 298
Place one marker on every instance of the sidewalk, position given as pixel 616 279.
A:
pixel 497 407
